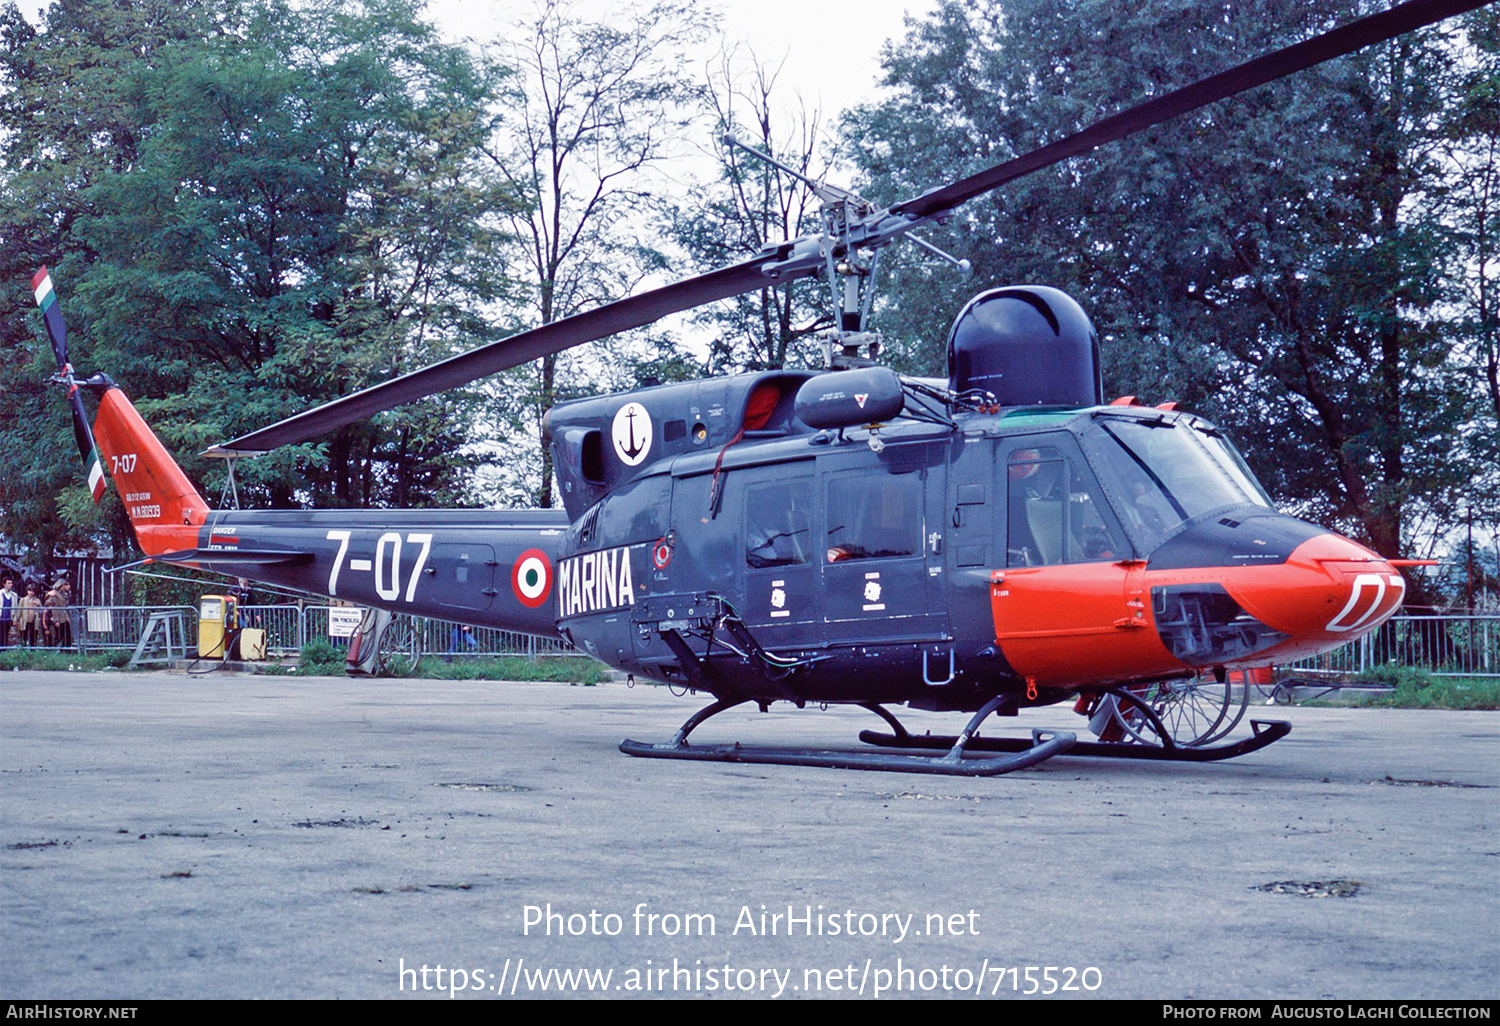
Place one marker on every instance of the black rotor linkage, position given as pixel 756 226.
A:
pixel 958 761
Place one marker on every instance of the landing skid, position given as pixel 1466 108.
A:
pixel 959 760
pixel 1265 733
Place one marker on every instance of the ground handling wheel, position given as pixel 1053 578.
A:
pixel 400 648
pixel 1194 711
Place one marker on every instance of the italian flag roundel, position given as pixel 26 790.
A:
pixel 531 578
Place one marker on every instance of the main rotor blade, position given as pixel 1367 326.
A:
pixel 456 371
pixel 1287 61
pixel 802 257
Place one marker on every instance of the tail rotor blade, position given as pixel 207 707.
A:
pixel 46 300
pixel 86 447
pixel 57 331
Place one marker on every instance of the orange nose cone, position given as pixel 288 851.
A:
pixel 1329 592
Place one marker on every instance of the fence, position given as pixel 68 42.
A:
pixel 288 628
pixel 1466 646
pixel 1456 646
pixel 97 628
pixel 94 583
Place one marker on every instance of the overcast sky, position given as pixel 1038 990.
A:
pixel 831 47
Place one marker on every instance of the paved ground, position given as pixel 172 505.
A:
pixel 163 837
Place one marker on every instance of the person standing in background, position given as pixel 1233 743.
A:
pixel 9 603
pixel 65 627
pixel 56 620
pixel 29 620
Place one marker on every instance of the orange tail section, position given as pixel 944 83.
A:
pixel 164 507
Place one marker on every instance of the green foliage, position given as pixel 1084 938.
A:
pixel 320 658
pixel 248 209
pixel 1450 693
pixel 575 669
pixel 184 589
pixel 1284 261
pixel 38 659
pixel 1415 688
pixel 1412 678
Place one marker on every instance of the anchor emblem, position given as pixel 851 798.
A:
pixel 632 433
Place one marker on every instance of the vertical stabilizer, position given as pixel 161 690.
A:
pixel 164 507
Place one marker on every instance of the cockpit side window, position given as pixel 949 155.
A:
pixel 1053 515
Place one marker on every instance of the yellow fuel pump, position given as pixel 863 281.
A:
pixel 217 620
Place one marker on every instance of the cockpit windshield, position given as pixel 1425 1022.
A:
pixel 1163 471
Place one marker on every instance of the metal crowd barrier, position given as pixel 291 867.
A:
pixel 1467 646
pixel 285 627
pixel 288 628
pixel 438 637
pixel 1446 646
pixel 101 628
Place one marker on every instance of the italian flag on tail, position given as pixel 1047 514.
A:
pixel 46 300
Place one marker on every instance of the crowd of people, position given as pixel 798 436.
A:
pixel 38 618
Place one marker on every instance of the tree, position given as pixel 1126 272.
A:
pixel 305 208
pixel 753 204
pixel 1275 260
pixel 71 113
pixel 599 107
pixel 1469 135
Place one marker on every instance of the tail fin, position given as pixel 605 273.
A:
pixel 164 507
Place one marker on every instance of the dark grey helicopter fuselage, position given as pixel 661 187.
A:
pixel 859 565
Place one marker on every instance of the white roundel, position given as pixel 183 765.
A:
pixel 533 578
pixel 632 434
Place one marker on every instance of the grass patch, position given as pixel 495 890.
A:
pixel 322 659
pixel 1413 688
pixel 39 659
pixel 574 669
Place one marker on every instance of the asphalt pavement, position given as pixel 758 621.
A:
pixel 171 837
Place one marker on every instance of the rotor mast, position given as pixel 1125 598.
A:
pixel 849 266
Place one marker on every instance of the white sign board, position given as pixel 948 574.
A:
pixel 342 623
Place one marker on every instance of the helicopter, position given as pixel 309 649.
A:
pixel 999 539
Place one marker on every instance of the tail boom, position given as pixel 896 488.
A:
pixel 471 566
